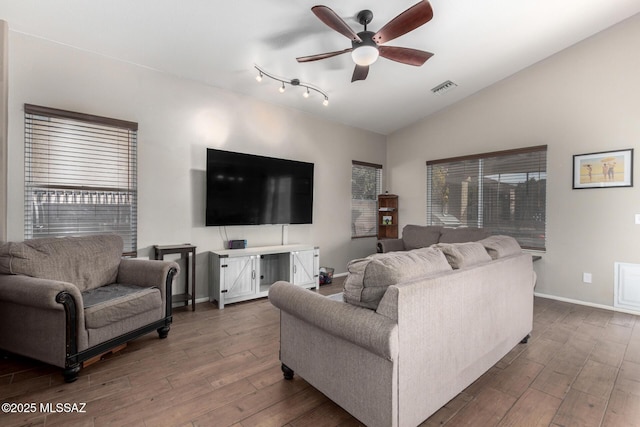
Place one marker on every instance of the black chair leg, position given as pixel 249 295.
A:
pixel 288 372
pixel 163 332
pixel 70 373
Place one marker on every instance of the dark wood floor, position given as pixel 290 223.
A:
pixel 220 368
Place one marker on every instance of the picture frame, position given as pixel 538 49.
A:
pixel 604 169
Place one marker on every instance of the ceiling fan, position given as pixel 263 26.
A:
pixel 366 45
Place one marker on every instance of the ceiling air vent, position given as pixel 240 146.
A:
pixel 444 87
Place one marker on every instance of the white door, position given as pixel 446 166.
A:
pixel 238 276
pixel 303 267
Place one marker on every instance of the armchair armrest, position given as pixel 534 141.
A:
pixel 361 326
pixel 148 273
pixel 50 313
pixel 34 292
pixel 390 245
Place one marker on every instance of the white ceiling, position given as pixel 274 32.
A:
pixel 476 43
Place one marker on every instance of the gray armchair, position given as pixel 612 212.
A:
pixel 66 300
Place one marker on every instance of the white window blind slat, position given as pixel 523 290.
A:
pixel 366 184
pixel 80 175
pixel 504 192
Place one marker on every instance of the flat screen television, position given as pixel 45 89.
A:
pixel 245 189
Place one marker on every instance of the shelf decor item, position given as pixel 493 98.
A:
pixel 603 169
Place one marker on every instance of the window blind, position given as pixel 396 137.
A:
pixel 366 184
pixel 503 191
pixel 80 175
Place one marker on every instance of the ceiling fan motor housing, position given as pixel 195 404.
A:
pixel 367 40
pixel 366 52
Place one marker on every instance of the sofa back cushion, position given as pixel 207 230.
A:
pixel 369 278
pixel 420 236
pixel 462 255
pixel 501 246
pixel 87 262
pixel 462 234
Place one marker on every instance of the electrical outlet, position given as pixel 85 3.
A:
pixel 586 277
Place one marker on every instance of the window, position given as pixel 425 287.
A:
pixel 80 175
pixel 366 184
pixel 504 192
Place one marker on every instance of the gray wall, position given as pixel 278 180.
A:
pixel 584 99
pixel 178 119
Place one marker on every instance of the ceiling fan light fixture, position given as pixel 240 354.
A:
pixel 365 55
pixel 306 93
pixel 259 77
pixel 282 88
pixel 326 101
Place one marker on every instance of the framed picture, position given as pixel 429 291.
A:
pixel 603 170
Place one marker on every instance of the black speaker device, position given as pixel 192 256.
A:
pixel 237 244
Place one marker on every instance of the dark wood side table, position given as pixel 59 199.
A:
pixel 184 250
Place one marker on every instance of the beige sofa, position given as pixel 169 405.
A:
pixel 422 236
pixel 418 327
pixel 66 300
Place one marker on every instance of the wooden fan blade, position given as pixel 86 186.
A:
pixel 409 20
pixel 360 73
pixel 322 55
pixel 333 21
pixel 405 55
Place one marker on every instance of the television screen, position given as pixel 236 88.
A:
pixel 244 189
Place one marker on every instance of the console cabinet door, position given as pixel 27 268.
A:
pixel 304 267
pixel 238 276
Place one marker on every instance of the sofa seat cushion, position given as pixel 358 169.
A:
pixel 462 234
pixel 420 236
pixel 501 246
pixel 87 262
pixel 462 255
pixel 117 302
pixel 369 278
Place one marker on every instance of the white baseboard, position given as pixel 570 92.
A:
pixel 587 304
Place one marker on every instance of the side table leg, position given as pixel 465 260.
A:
pixel 193 280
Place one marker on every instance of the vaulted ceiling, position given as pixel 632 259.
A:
pixel 475 44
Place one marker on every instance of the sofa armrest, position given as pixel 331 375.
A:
pixel 361 326
pixel 34 292
pixel 390 245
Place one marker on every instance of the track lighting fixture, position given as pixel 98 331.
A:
pixel 293 82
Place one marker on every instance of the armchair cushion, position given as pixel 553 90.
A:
pixel 420 236
pixel 114 303
pixel 88 261
pixel 462 234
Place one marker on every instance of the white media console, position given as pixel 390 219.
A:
pixel 244 274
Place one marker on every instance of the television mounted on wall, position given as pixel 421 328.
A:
pixel 246 189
